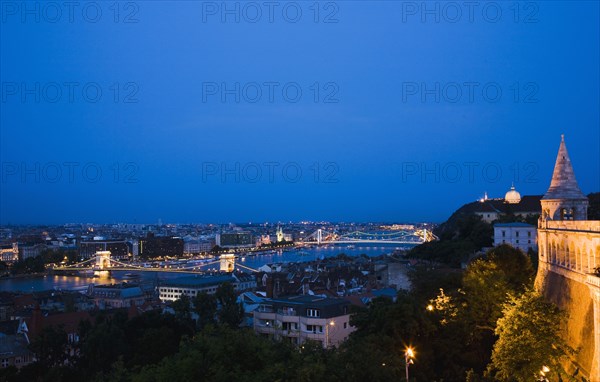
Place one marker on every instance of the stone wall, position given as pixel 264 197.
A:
pixel 575 298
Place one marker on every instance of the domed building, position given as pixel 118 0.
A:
pixel 491 209
pixel 512 196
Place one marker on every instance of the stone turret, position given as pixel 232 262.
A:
pixel 564 200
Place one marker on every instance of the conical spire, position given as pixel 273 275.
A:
pixel 563 184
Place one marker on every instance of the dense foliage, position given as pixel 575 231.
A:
pixel 527 340
pixel 462 325
pixel 38 264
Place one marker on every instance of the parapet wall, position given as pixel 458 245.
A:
pixel 572 225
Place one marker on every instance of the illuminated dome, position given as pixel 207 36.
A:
pixel 512 196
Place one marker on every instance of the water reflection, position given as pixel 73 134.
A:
pixel 58 282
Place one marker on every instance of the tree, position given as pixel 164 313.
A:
pixel 224 354
pixel 485 289
pixel 152 336
pixel 29 265
pixel 103 343
pixel 515 264
pixel 205 305
pixel 182 308
pixel 528 339
pixel 50 347
pixel 231 313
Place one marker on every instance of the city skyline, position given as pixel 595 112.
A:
pixel 300 190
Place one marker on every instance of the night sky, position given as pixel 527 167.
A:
pixel 339 111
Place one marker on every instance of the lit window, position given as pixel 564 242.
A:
pixel 313 313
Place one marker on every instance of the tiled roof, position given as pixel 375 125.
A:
pixel 329 307
pixel 13 345
pixel 563 184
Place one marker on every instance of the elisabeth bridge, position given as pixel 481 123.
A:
pixel 406 236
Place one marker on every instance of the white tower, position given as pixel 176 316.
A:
pixel 227 262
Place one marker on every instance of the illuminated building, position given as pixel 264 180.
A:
pixel 569 257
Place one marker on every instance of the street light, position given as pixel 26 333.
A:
pixel 409 355
pixel 332 323
pixel 545 369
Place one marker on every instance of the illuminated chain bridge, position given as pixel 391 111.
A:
pixel 414 236
pixel 102 261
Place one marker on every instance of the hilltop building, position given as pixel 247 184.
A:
pixel 512 204
pixel 569 257
pixel 519 235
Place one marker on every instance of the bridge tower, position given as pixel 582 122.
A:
pixel 319 236
pixel 569 250
pixel 102 260
pixel 227 262
pixel 279 234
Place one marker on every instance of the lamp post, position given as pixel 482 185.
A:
pixel 332 323
pixel 408 359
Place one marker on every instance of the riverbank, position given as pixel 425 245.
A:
pixel 23 275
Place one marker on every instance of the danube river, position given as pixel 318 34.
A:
pixel 39 283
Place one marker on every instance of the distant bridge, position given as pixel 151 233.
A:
pixel 417 236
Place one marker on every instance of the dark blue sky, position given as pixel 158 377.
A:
pixel 417 110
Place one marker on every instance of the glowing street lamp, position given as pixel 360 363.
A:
pixel 409 356
pixel 430 308
pixel 332 324
pixel 545 369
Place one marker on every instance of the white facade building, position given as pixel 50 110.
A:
pixel 191 286
pixel 519 235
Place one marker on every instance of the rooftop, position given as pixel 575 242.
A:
pixel 563 184
pixel 328 307
pixel 527 204
pixel 311 300
pixel 515 224
pixel 200 280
